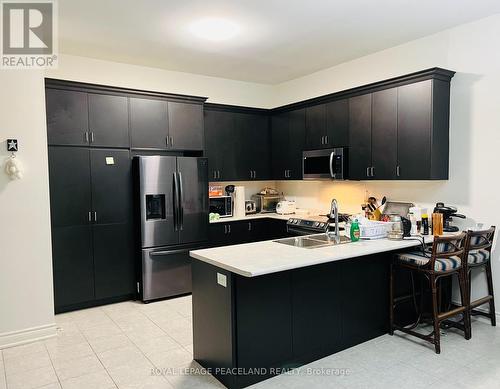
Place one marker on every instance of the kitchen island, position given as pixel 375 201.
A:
pixel 262 308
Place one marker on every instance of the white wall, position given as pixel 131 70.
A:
pixel 472 51
pixel 218 90
pixel 26 299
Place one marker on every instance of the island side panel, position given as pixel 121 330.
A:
pixel 213 320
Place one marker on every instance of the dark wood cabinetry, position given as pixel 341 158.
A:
pixel 90 191
pixel 185 126
pixel 246 231
pixel 148 123
pixel 77 118
pixel 316 135
pixel 237 144
pixel 287 144
pixel 400 133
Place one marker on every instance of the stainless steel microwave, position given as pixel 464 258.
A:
pixel 223 205
pixel 327 164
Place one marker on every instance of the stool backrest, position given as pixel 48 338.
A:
pixel 448 246
pixel 479 240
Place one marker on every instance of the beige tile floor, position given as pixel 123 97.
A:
pixel 120 345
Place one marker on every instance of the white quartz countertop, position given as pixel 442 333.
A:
pixel 259 258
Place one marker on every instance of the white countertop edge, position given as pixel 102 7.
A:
pixel 270 269
pixel 271 215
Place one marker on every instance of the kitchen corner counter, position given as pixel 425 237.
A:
pixel 259 258
pixel 255 216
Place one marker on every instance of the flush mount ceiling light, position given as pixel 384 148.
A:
pixel 214 29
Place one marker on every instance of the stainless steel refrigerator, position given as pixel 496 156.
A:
pixel 173 197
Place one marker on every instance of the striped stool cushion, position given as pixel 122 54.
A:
pixel 478 256
pixel 441 264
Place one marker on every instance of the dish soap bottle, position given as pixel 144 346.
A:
pixel 355 231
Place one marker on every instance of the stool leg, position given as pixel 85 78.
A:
pixel 465 303
pixel 489 278
pixel 437 335
pixel 391 299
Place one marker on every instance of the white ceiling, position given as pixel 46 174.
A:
pixel 279 40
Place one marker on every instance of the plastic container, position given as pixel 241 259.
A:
pixel 369 229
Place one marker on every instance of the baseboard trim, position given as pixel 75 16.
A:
pixel 28 335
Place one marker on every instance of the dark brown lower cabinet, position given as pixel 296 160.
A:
pixel 246 231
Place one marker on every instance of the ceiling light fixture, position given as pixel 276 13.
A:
pixel 214 29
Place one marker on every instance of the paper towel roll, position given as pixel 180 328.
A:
pixel 239 201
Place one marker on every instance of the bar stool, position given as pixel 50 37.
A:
pixel 444 260
pixel 478 246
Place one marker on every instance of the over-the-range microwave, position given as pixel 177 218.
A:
pixel 327 164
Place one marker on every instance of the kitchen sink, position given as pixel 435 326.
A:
pixel 314 241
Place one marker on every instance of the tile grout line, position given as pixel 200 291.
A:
pixel 4 369
pixel 97 355
pixel 135 345
pixel 52 364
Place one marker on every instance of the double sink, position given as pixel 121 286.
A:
pixel 315 241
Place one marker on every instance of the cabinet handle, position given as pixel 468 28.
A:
pixel 368 171
pixel 90 216
pixel 92 137
pixel 95 216
pixel 166 141
pixel 229 228
pixel 397 170
pixel 218 174
pixel 249 226
pixel 326 139
pixel 171 141
pixel 255 174
pixel 322 140
pixel 373 171
pixel 86 136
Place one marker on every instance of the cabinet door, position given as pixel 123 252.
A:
pixel 148 123
pixel 385 134
pixel 316 127
pixel 73 266
pixel 108 120
pixel 114 266
pixel 296 143
pixel 185 126
pixel 414 130
pixel 112 227
pixel 337 123
pixel 217 233
pixel 67 117
pixel 252 142
pixel 70 204
pixel 220 145
pixel 280 145
pixel 360 119
pixel 111 186
pixel 69 181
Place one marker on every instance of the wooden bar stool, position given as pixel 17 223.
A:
pixel 478 246
pixel 444 260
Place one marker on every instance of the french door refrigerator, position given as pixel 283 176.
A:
pixel 173 197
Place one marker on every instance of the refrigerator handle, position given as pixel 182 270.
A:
pixel 176 203
pixel 181 202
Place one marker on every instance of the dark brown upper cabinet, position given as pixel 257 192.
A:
pixel 76 118
pixel 360 137
pixel 148 123
pixel 67 117
pixel 185 126
pixel 108 120
pixel 166 125
pixel 237 143
pixel 288 131
pixel 327 125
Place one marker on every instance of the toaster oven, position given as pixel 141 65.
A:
pixel 266 203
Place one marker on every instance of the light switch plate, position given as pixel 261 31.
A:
pixel 222 280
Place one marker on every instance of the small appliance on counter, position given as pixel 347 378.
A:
pixel 286 207
pixel 250 207
pixel 223 205
pixel 267 200
pixel 449 213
